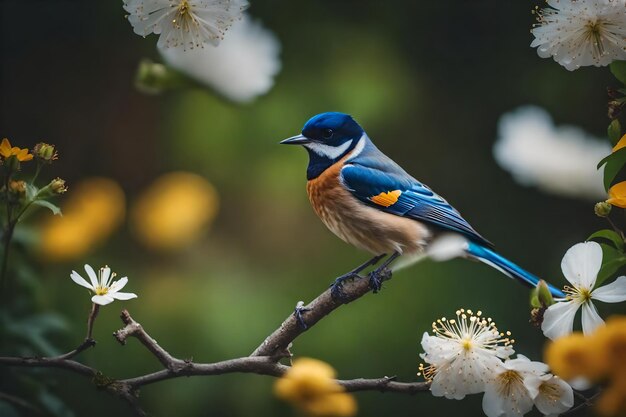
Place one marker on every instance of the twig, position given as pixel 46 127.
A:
pixel 587 402
pixel 385 384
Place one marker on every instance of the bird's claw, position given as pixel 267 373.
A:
pixel 336 288
pixel 377 277
pixel 297 312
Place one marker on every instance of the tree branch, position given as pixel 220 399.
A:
pixel 323 305
pixel 264 360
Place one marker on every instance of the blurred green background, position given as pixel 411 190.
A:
pixel 427 80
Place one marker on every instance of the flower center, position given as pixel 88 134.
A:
pixel 183 8
pixel 101 290
pixel 183 16
pixel 471 331
pixel 594 34
pixel 550 391
pixel 466 344
pixel 581 294
pixel 508 382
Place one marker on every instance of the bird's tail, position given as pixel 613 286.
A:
pixel 499 262
pixel 450 246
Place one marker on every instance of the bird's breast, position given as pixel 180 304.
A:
pixel 356 223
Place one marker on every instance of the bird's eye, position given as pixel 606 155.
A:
pixel 327 133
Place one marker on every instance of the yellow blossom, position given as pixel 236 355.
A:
pixel 617 195
pixel 311 387
pixel 7 151
pixel 92 212
pixel 174 211
pixel 600 356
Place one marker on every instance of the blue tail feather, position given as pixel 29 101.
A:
pixel 499 262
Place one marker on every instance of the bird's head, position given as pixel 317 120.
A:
pixel 327 137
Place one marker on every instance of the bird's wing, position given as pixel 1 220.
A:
pixel 394 191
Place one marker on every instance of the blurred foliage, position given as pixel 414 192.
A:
pixel 428 82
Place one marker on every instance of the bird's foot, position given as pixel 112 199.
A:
pixel 336 288
pixel 297 313
pixel 377 277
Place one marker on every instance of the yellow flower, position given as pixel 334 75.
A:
pixel 311 387
pixel 174 211
pixel 600 356
pixel 6 151
pixel 93 211
pixel 572 356
pixel 617 195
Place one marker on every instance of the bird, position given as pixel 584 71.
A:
pixel 370 202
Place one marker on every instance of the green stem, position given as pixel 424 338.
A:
pixel 37 171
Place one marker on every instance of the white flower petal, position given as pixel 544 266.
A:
pixel 580 383
pixel 122 295
pixel 581 32
pixel 92 275
pixel 512 400
pixel 525 366
pixel 550 394
pixel 102 299
pixel 591 319
pixel 118 285
pixel 104 278
pixel 581 264
pixel 558 160
pixel 614 292
pixel 558 320
pixel 201 22
pixel 80 280
pixel 241 68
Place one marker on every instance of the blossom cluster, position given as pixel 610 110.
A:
pixel 469 355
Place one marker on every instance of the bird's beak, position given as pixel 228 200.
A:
pixel 295 140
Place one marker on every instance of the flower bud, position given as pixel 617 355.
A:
pixel 544 295
pixel 602 209
pixel 154 78
pixel 17 187
pixel 57 186
pixel 45 152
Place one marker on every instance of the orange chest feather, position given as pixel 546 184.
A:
pixel 328 197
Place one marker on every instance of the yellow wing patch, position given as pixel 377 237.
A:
pixel 386 199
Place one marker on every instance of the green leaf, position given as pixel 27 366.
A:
pixel 610 235
pixel 614 131
pixel 612 261
pixel 614 163
pixel 618 68
pixel 31 192
pixel 43 203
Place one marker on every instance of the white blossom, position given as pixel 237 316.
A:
pixel 463 354
pixel 241 68
pixel 102 285
pixel 580 266
pixel 560 160
pixel 506 394
pixel 551 395
pixel 581 32
pixel 187 24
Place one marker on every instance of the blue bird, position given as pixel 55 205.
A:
pixel 369 201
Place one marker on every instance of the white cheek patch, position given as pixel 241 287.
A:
pixel 360 145
pixel 331 152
